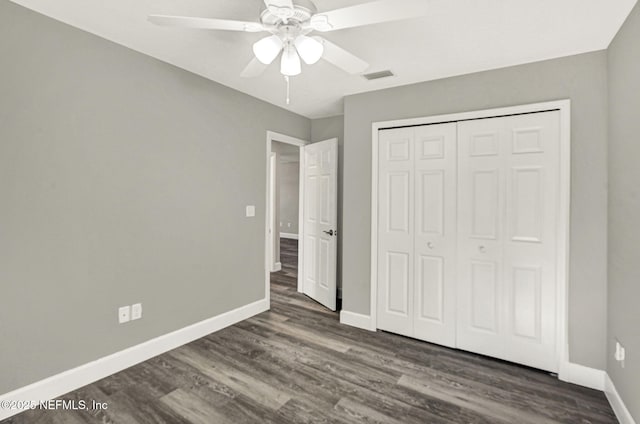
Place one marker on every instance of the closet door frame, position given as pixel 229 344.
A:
pixel 564 108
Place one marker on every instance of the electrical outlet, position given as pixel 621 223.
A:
pixel 136 311
pixel 250 211
pixel 289 224
pixel 124 314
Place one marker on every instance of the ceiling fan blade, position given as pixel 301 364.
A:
pixel 341 58
pixel 374 12
pixel 255 68
pixel 206 23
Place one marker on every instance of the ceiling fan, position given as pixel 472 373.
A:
pixel 291 21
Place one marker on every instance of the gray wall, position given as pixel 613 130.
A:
pixel 624 210
pixel 289 194
pixel 583 79
pixel 114 180
pixel 325 129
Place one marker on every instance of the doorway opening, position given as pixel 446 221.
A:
pixel 284 210
pixel 317 227
pixel 285 205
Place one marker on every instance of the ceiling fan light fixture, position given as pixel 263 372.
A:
pixel 290 63
pixel 267 49
pixel 309 49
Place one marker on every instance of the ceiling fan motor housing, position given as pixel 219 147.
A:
pixel 302 12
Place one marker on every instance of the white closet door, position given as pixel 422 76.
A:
pixel 435 234
pixel 395 231
pixel 508 177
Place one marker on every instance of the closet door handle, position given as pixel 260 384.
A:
pixel 430 245
pixel 482 249
pixel 330 232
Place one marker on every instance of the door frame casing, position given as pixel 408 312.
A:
pixel 283 138
pixel 274 263
pixel 562 269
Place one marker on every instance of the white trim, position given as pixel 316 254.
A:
pixel 564 106
pixel 564 231
pixel 477 114
pixel 277 267
pixel 301 221
pixel 356 320
pixel 73 379
pixel 282 138
pixel 618 406
pixel 582 376
pixel 273 164
pixel 375 166
pixel 291 236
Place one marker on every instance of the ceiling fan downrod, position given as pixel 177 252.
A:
pixel 286 78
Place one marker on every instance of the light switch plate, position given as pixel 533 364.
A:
pixel 136 311
pixel 251 211
pixel 124 314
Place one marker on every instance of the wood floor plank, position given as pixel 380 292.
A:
pixel 147 412
pixel 504 411
pixel 193 409
pixel 213 366
pixel 361 413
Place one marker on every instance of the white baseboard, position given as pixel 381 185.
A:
pixel 73 379
pixel 289 236
pixel 618 406
pixel 356 320
pixel 277 267
pixel 582 376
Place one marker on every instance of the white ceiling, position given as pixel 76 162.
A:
pixel 457 37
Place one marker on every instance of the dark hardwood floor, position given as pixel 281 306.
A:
pixel 288 258
pixel 297 364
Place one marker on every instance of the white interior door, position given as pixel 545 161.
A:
pixel 416 232
pixel 321 221
pixel 507 232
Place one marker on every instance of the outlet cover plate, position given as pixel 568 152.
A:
pixel 136 311
pixel 124 314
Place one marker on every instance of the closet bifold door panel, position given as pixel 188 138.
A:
pixel 395 231
pixel 435 234
pixel 416 232
pixel 508 204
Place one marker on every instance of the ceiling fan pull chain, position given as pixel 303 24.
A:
pixel 286 78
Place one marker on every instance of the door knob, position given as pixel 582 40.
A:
pixel 482 249
pixel 430 245
pixel 330 232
